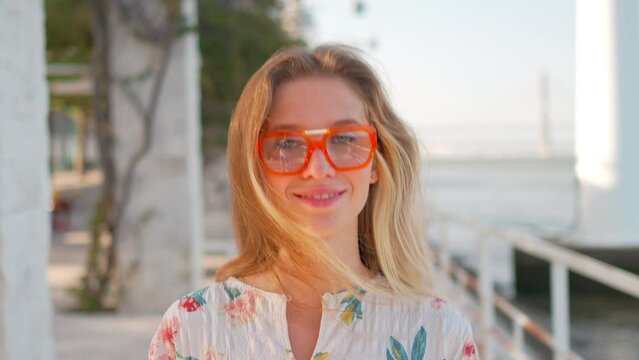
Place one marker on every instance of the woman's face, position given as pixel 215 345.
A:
pixel 321 198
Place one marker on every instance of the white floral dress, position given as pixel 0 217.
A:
pixel 233 320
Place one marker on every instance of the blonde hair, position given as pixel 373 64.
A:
pixel 391 239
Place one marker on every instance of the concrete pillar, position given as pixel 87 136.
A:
pixel 607 122
pixel 25 305
pixel 161 232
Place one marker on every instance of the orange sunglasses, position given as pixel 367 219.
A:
pixel 285 152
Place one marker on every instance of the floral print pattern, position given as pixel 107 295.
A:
pixel 353 306
pixel 470 351
pixel 437 303
pixel 198 323
pixel 397 351
pixel 212 354
pixel 168 332
pixel 193 301
pixel 321 356
pixel 243 305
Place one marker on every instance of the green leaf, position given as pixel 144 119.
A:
pixel 198 296
pixel 358 310
pixel 419 345
pixel 233 293
pixel 348 299
pixel 321 356
pixel 398 350
pixel 180 356
pixel 389 356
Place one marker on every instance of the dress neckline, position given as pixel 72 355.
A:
pixel 282 296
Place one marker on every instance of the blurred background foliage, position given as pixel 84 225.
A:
pixel 234 40
pixel 236 37
pixel 68 26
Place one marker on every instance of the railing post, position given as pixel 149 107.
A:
pixel 560 310
pixel 444 249
pixel 518 336
pixel 486 293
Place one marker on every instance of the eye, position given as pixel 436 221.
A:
pixel 343 139
pixel 289 143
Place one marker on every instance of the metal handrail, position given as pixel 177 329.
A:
pixel 599 271
pixel 521 322
pixel 561 259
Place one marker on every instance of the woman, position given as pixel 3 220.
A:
pixel 332 262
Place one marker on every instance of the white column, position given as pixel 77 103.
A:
pixel 607 122
pixel 25 305
pixel 161 231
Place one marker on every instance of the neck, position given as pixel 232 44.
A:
pixel 343 245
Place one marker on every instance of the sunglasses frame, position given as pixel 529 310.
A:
pixel 318 144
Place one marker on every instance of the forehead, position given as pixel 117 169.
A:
pixel 315 102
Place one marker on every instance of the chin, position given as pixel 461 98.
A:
pixel 326 228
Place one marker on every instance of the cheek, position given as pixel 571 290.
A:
pixel 279 185
pixel 361 185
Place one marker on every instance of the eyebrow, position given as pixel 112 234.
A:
pixel 342 122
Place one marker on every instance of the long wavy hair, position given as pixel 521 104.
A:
pixel 391 238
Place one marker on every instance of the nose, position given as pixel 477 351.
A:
pixel 318 167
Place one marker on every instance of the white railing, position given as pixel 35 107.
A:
pixel 561 260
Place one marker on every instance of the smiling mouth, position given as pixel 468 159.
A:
pixel 320 200
pixel 320 196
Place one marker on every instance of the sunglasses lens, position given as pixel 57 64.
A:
pixel 349 149
pixel 284 154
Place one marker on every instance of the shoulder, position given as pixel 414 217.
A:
pixel 192 323
pixel 448 323
pixel 445 312
pixel 436 314
pixel 183 326
pixel 432 320
pixel 201 301
pixel 224 300
pixel 189 311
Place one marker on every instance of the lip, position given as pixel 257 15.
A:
pixel 335 195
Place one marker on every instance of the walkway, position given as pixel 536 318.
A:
pixel 81 336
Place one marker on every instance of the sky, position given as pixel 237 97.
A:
pixel 464 71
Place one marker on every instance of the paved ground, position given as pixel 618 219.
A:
pixel 102 337
pixel 82 335
pixel 90 336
